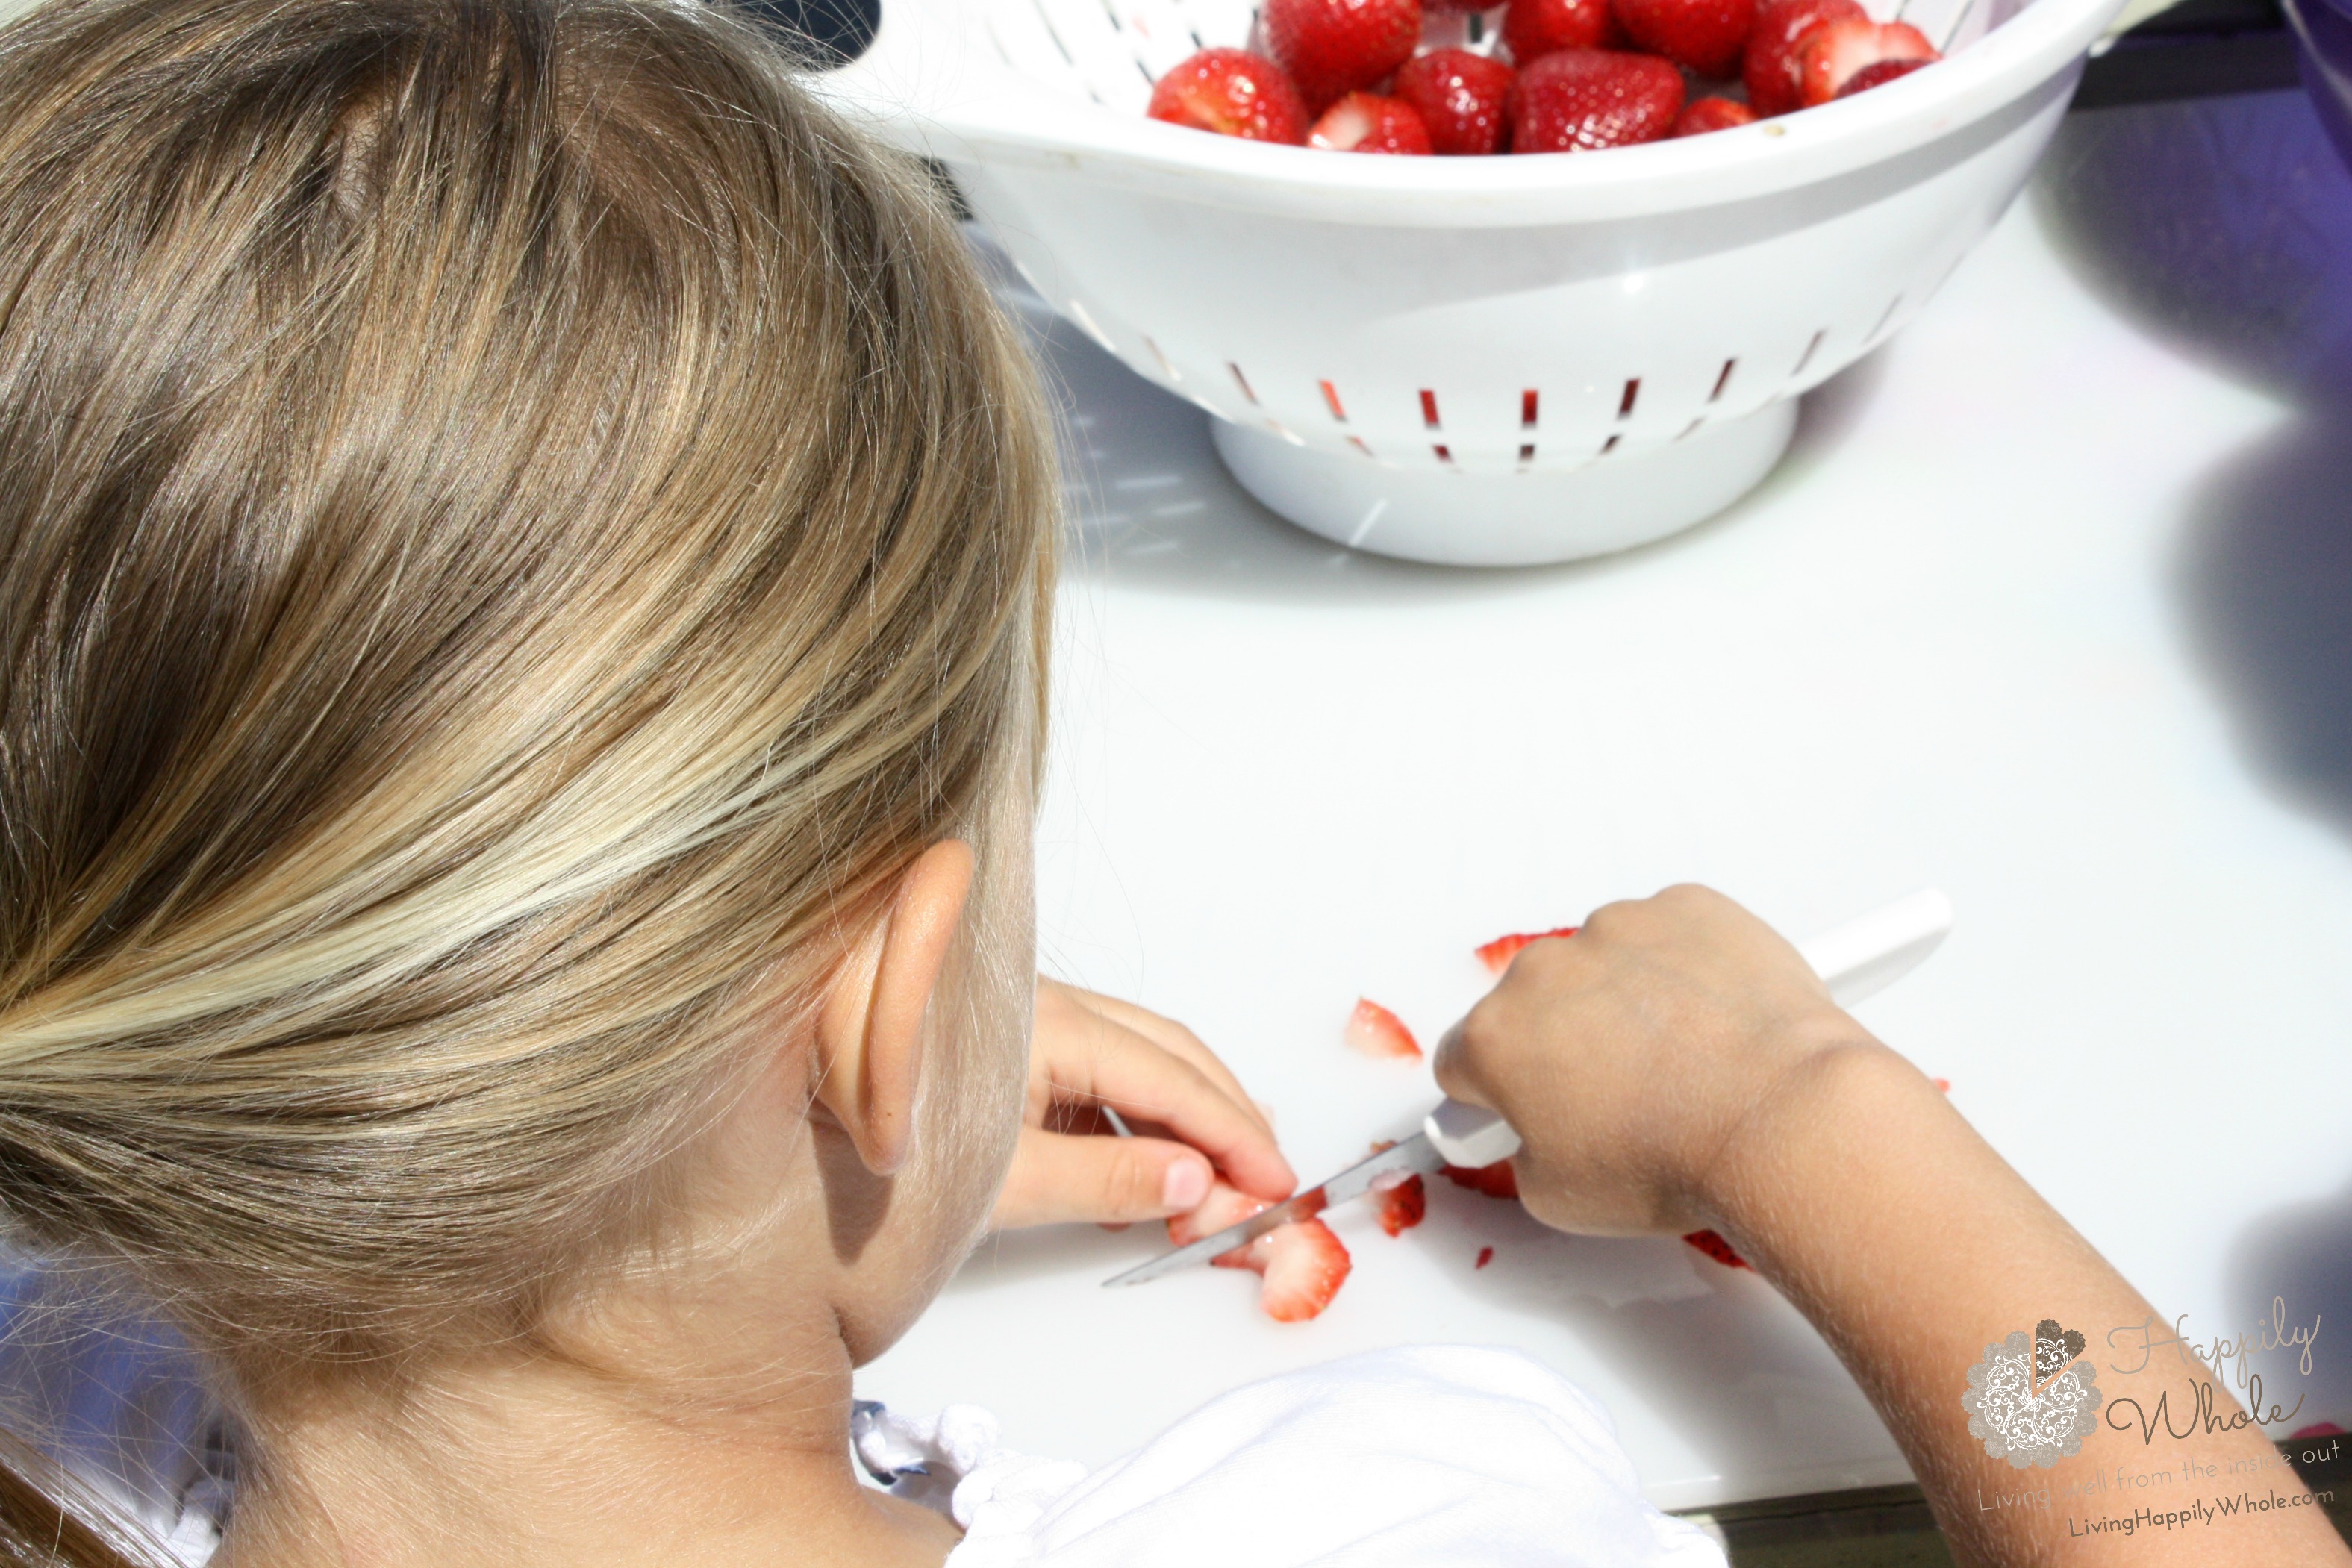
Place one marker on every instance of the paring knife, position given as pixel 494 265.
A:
pixel 1856 960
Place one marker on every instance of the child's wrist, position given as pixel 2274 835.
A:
pixel 1784 1157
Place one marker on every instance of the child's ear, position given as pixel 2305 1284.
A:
pixel 869 1033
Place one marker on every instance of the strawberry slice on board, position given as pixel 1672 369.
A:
pixel 1498 955
pixel 1713 1244
pixel 1304 1266
pixel 1331 48
pixel 1378 1032
pixel 1711 114
pixel 1879 74
pixel 1836 53
pixel 1233 93
pixel 1367 122
pixel 1461 98
pixel 1707 35
pixel 1534 28
pixel 1402 1203
pixel 1497 1180
pixel 1770 66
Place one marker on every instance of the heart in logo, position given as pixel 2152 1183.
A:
pixel 2054 1350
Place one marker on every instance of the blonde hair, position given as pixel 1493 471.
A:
pixel 517 526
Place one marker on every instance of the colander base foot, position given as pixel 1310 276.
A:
pixel 1454 517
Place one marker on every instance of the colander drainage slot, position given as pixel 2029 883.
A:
pixel 1429 408
pixel 1610 445
pixel 1528 411
pixel 1625 403
pixel 1242 381
pixel 1526 452
pixel 1331 397
pixel 1442 455
pixel 1892 307
pixel 1166 369
pixel 1692 428
pixel 1722 380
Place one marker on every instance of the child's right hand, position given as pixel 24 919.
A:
pixel 1632 1055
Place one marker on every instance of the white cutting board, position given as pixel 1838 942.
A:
pixel 1953 642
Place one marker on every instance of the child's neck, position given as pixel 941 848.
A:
pixel 550 1462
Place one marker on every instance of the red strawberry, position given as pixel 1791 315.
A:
pixel 1304 1265
pixel 1943 1083
pixel 1716 1247
pixel 1486 1256
pixel 1879 74
pixel 1367 122
pixel 1335 46
pixel 1497 1180
pixel 1498 955
pixel 1833 55
pixel 1780 31
pixel 1534 28
pixel 1576 100
pixel 1402 1207
pixel 1376 1032
pixel 1224 1206
pixel 1460 98
pixel 1712 114
pixel 1708 36
pixel 1233 93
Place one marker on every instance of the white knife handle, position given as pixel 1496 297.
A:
pixel 1858 959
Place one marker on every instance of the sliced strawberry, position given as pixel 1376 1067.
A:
pixel 1498 955
pixel 1497 1180
pixel 1769 68
pixel 1304 1265
pixel 1534 28
pixel 1336 47
pixel 1224 1206
pixel 1486 1256
pixel 1376 1032
pixel 1233 93
pixel 1367 122
pixel 1712 114
pixel 1461 98
pixel 1834 53
pixel 1879 74
pixel 1716 1247
pixel 1399 1203
pixel 1708 36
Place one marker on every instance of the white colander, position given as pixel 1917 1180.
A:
pixel 1478 360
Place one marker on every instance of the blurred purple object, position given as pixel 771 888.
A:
pixel 2324 28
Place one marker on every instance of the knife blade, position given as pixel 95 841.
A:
pixel 1858 959
pixel 1415 1156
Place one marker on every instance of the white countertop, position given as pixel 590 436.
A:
pixel 2042 609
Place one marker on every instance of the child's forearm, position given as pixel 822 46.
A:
pixel 1860 1193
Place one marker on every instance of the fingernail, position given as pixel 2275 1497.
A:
pixel 1185 1185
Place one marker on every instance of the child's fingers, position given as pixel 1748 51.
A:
pixel 1144 1083
pixel 1164 1032
pixel 1057 1178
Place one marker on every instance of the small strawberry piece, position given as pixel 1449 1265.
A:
pixel 1716 1247
pixel 1224 1206
pixel 1233 93
pixel 1401 1207
pixel 1461 98
pixel 1708 36
pixel 1304 1266
pixel 1879 74
pixel 1781 29
pixel 1335 46
pixel 1497 1180
pixel 1712 114
pixel 1498 955
pixel 1376 1032
pixel 1486 1256
pixel 1367 122
pixel 1534 28
pixel 1943 1083
pixel 1834 53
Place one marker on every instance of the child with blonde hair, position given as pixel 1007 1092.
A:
pixel 525 561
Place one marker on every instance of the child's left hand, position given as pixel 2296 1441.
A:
pixel 1187 1111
